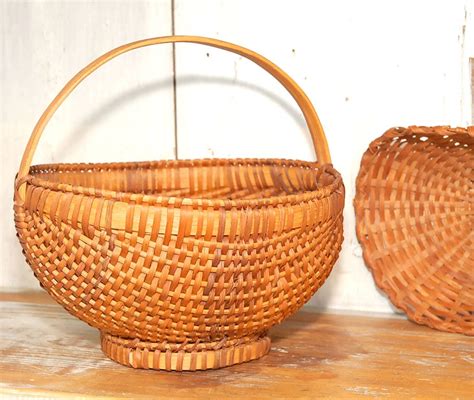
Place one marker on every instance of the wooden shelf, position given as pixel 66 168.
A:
pixel 47 353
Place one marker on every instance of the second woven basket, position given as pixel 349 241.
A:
pixel 182 265
pixel 415 220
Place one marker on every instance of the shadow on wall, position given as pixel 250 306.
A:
pixel 116 104
pixel 113 106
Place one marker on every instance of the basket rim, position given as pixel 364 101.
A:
pixel 399 132
pixel 33 179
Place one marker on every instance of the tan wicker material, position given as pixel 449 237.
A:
pixel 415 219
pixel 182 265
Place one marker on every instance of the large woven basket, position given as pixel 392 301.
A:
pixel 415 219
pixel 182 265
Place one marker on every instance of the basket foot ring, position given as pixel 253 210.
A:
pixel 140 354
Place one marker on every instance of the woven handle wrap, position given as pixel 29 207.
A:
pixel 314 125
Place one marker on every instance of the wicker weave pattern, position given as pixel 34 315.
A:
pixel 177 270
pixel 415 222
pixel 172 282
pixel 182 265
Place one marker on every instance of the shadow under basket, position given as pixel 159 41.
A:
pixel 182 265
pixel 415 219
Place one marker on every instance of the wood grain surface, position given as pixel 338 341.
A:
pixel 46 353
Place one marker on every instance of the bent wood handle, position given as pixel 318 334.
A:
pixel 312 120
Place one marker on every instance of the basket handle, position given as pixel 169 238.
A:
pixel 312 120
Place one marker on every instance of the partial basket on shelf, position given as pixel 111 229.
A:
pixel 415 218
pixel 182 265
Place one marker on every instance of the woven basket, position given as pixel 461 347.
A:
pixel 182 265
pixel 415 219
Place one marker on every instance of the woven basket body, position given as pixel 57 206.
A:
pixel 182 265
pixel 415 221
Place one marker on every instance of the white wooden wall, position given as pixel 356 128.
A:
pixel 367 65
pixel 122 112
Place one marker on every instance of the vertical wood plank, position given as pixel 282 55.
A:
pixel 122 112
pixel 366 65
pixel 467 41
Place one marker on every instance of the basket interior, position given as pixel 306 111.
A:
pixel 211 179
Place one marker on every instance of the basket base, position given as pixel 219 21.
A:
pixel 147 355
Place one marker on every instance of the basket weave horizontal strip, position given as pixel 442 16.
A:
pixel 293 206
pixel 415 218
pixel 182 265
